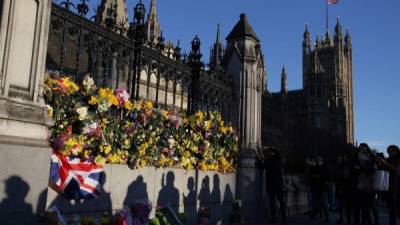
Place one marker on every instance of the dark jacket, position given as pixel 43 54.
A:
pixel 273 172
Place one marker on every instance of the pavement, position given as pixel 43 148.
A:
pixel 304 219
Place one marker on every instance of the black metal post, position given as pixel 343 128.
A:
pixel 83 9
pixel 160 47
pixel 137 34
pixel 196 64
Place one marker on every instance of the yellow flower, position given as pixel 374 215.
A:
pixel 142 149
pixel 100 160
pixel 164 113
pixel 128 105
pixel 112 100
pixel 202 166
pixel 137 105
pixel 112 158
pixel 105 121
pixel 85 154
pixel 73 146
pixel 70 85
pixel 185 163
pixel 196 137
pixel 104 92
pixel 199 116
pixel 193 148
pixel 212 167
pixel 149 105
pixel 219 117
pixel 186 154
pixel 223 129
pixel 127 143
pixel 207 125
pixel 93 100
pixel 49 110
pixel 106 149
pixel 142 163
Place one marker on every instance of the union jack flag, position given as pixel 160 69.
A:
pixel 73 178
pixel 333 2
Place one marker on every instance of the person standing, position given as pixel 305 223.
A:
pixel 318 186
pixel 365 170
pixel 392 164
pixel 274 184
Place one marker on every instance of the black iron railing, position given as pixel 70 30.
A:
pixel 115 55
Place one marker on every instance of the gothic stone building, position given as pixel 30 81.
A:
pixel 318 119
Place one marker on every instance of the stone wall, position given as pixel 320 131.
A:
pixel 24 152
pixel 185 190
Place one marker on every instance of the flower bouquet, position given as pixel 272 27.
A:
pixel 104 126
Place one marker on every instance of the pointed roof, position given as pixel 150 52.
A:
pixel 218 39
pixel 153 7
pixel 242 29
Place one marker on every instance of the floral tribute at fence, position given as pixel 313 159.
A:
pixel 105 126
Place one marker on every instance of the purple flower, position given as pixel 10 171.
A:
pixel 202 149
pixel 59 142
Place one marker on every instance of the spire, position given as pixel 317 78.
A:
pixel 306 41
pixel 317 42
pixel 338 27
pixel 120 9
pixel 153 7
pixel 328 39
pixel 152 24
pixel 216 52
pixel 242 29
pixel 347 41
pixel 347 38
pixel 284 85
pixel 218 39
pixel 306 33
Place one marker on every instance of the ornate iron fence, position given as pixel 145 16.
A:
pixel 116 56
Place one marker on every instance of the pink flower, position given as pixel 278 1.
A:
pixel 122 95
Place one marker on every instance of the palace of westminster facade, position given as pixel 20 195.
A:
pixel 314 120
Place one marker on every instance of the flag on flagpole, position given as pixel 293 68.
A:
pixel 73 178
pixel 333 2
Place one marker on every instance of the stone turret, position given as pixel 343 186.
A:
pixel 153 27
pixel 244 61
pixel 327 82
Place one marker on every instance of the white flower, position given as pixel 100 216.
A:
pixel 103 106
pixel 83 112
pixel 75 151
pixel 171 143
pixel 207 144
pixel 88 83
pixel 90 128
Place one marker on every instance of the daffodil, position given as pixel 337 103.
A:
pixel 93 100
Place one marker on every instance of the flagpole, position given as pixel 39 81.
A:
pixel 327 15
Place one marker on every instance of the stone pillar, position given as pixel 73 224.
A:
pixel 24 152
pixel 245 64
pixel 249 187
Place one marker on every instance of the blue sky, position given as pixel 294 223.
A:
pixel 374 27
